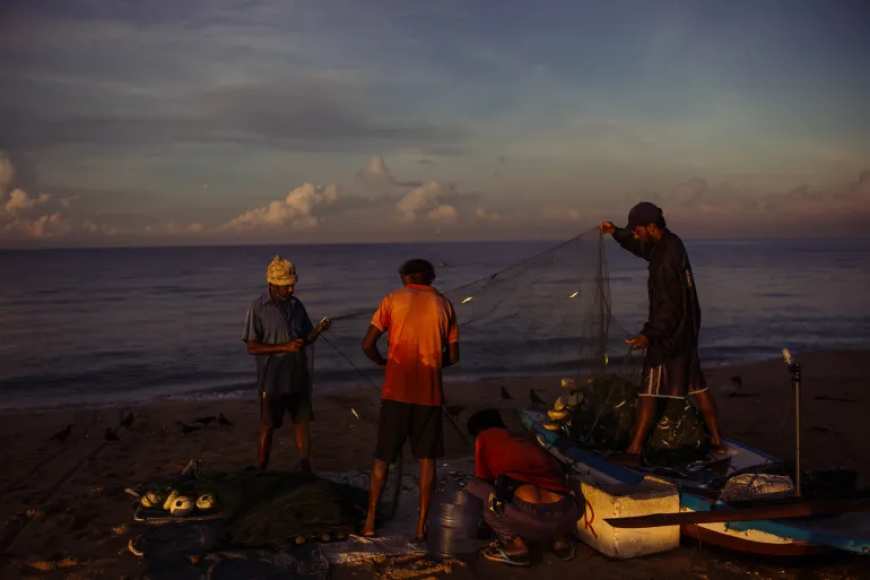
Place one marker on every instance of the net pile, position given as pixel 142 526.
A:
pixel 545 314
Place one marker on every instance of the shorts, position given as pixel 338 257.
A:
pixel 400 421
pixel 676 378
pixel 297 404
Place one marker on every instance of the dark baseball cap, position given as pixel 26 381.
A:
pixel 643 214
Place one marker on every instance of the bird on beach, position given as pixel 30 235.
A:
pixel 223 421
pixel 536 400
pixel 109 435
pixel 187 429
pixel 204 421
pixel 505 395
pixel 734 389
pixel 61 435
pixel 128 420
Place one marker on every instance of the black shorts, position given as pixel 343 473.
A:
pixel 676 378
pixel 297 404
pixel 419 423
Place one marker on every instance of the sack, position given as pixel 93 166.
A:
pixel 757 486
pixel 680 437
pixel 604 419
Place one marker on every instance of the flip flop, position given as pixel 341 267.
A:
pixel 565 554
pixel 497 554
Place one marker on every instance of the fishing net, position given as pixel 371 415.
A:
pixel 548 313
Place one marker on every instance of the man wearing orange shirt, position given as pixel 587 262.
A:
pixel 423 337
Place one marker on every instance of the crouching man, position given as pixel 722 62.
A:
pixel 524 492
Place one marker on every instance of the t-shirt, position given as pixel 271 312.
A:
pixel 497 452
pixel 419 322
pixel 268 322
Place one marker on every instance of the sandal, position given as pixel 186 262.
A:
pixel 497 554
pixel 565 554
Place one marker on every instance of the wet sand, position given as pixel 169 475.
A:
pixel 77 507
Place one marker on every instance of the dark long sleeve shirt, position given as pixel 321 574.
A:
pixel 674 319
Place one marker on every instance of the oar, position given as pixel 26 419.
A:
pixel 798 510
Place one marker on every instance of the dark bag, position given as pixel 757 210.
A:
pixel 604 419
pixel 680 437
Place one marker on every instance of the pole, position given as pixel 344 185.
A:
pixel 794 368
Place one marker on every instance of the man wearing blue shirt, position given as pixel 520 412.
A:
pixel 277 329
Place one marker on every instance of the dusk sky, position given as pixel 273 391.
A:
pixel 222 121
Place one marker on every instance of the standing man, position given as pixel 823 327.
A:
pixel 423 338
pixel 277 329
pixel 670 336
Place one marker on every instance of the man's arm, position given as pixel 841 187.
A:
pixel 370 346
pixel 320 329
pixel 451 357
pixel 253 336
pixel 258 349
pixel 626 239
pixel 481 467
pixel 667 298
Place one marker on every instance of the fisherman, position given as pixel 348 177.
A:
pixel 277 329
pixel 672 368
pixel 524 492
pixel 423 338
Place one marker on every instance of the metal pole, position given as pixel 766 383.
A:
pixel 794 368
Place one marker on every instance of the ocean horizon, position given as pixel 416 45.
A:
pixel 89 326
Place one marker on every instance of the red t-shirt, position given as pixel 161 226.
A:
pixel 419 322
pixel 497 452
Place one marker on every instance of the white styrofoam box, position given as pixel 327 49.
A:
pixel 619 500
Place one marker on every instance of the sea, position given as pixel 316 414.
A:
pixel 128 325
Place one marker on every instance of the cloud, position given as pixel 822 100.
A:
pixel 376 174
pixel 481 214
pixel 19 201
pixel 309 114
pixel 424 198
pixel 443 214
pixel 296 210
pixel 30 217
pixel 7 172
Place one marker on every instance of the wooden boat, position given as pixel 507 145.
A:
pixel 699 492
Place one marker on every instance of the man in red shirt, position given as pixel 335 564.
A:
pixel 524 492
pixel 423 338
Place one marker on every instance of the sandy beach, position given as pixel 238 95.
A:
pixel 69 496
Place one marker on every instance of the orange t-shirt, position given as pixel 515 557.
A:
pixel 419 322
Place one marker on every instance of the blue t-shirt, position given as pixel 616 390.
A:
pixel 268 323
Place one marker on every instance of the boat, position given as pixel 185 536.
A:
pixel 848 532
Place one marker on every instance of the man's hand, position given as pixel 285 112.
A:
pixel 607 228
pixel 639 342
pixel 323 326
pixel 294 345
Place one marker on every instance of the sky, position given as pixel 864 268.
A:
pixel 144 122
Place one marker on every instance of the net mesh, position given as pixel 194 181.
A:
pixel 549 313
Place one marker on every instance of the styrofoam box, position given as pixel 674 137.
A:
pixel 617 500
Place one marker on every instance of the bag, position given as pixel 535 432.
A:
pixel 680 437
pixel 604 419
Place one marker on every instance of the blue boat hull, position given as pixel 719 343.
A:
pixel 846 532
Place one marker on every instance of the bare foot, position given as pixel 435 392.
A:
pixel 422 531
pixel 368 529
